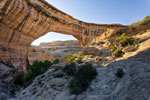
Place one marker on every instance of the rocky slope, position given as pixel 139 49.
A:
pixel 7 87
pixel 134 85
pixel 23 21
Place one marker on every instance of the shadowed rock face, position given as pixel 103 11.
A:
pixel 23 21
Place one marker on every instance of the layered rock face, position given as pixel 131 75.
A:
pixel 38 53
pixel 53 50
pixel 62 48
pixel 60 43
pixel 23 21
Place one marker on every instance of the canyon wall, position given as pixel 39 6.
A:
pixel 23 21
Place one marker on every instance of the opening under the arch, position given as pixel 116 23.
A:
pixel 52 36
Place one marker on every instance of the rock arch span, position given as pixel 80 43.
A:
pixel 23 21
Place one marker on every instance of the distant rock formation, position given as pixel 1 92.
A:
pixel 23 21
pixel 37 53
pixel 52 50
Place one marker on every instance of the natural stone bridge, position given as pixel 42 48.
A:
pixel 23 21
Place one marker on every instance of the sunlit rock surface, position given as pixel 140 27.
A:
pixel 23 21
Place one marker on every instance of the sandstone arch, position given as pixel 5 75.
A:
pixel 23 21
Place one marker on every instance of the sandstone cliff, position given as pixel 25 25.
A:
pixel 23 21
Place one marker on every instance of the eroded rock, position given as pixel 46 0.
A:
pixel 19 27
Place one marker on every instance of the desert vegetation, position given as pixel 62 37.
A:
pixel 75 58
pixel 120 73
pixel 37 68
pixel 122 42
pixel 82 76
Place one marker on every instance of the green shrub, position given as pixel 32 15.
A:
pixel 37 68
pixel 119 73
pixel 70 69
pixel 29 75
pixel 108 29
pixel 20 79
pixel 72 58
pixel 82 79
pixel 113 48
pixel 124 40
pixel 86 71
pixel 79 85
pixel 56 61
pixel 117 53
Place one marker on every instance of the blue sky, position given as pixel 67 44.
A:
pixel 99 11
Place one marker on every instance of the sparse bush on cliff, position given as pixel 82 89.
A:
pixel 29 75
pixel 56 61
pixel 37 68
pixel 20 78
pixel 70 69
pixel 82 79
pixel 119 73
pixel 77 57
pixel 122 42
pixel 113 48
pixel 108 29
